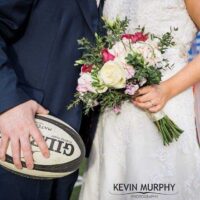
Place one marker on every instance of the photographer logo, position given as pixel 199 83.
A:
pixel 145 190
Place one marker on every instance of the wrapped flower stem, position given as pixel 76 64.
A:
pixel 168 129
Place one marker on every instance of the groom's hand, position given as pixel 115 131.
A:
pixel 16 127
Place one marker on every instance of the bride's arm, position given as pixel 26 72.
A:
pixel 193 7
pixel 155 97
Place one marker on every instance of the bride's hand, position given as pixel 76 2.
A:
pixel 152 98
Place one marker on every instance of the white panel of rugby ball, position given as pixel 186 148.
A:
pixel 66 151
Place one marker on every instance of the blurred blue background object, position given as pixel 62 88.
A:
pixel 195 49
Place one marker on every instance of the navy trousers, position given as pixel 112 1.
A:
pixel 14 187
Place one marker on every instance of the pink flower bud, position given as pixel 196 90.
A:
pixel 86 68
pixel 139 36
pixel 107 56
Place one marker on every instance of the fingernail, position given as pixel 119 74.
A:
pixel 30 166
pixel 46 154
pixel 18 166
pixel 3 158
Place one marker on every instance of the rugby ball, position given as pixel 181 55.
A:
pixel 66 151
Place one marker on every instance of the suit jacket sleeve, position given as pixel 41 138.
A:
pixel 13 16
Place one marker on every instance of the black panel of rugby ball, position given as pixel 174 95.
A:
pixel 66 151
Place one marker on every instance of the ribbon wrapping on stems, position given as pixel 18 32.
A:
pixel 157 116
pixel 167 128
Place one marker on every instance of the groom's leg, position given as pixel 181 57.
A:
pixel 14 187
pixel 62 188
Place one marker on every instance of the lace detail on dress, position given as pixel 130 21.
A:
pixel 172 13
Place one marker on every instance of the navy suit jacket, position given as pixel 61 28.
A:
pixel 38 47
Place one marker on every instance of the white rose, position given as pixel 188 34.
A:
pixel 113 75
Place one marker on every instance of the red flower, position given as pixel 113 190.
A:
pixel 86 68
pixel 107 56
pixel 127 36
pixel 139 36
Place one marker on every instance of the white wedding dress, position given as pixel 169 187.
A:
pixel 128 148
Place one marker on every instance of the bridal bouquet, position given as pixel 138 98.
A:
pixel 117 65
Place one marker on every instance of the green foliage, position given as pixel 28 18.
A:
pixel 136 60
pixel 75 102
pixel 89 101
pixel 92 51
pixel 166 40
pixel 143 69
pixel 115 30
pixel 96 81
pixel 112 98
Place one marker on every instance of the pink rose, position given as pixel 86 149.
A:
pixel 139 36
pixel 131 89
pixel 85 83
pixel 86 68
pixel 81 88
pixel 129 70
pixel 107 56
